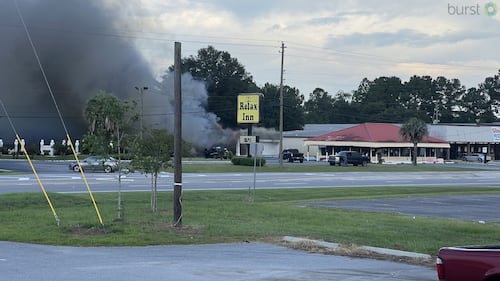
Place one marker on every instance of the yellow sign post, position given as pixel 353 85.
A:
pixel 248 108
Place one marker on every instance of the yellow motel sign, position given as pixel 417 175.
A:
pixel 248 108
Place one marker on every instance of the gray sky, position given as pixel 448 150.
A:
pixel 329 44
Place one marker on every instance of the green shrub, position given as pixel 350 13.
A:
pixel 248 161
pixel 61 149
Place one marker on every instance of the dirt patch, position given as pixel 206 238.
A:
pixel 351 251
pixel 185 229
pixel 88 230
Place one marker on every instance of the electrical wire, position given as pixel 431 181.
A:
pixel 58 112
pixel 44 191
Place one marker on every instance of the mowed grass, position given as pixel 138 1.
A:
pixel 230 216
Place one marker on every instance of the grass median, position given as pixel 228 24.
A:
pixel 229 216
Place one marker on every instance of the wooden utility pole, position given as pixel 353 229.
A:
pixel 281 105
pixel 177 137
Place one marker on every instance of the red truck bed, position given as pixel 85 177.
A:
pixel 469 263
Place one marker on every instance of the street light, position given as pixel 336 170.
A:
pixel 141 92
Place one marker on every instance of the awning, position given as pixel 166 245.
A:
pixel 375 144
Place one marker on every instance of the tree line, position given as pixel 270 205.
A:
pixel 383 99
pixel 388 99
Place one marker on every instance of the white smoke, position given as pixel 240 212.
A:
pixel 199 127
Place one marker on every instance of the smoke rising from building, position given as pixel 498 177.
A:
pixel 82 53
pixel 198 126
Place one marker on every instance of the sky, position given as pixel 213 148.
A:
pixel 116 46
pixel 329 44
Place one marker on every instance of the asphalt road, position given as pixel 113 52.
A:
pixel 218 262
pixel 479 208
pixel 56 177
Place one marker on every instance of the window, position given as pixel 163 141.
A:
pixel 394 152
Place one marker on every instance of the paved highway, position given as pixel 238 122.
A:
pixel 67 181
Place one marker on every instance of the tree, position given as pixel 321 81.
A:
pixel 476 106
pixel 414 131
pixel 293 112
pixel 270 107
pixel 343 110
pixel 106 116
pixel 491 87
pixel 449 93
pixel 151 155
pixel 108 122
pixel 419 97
pixel 319 108
pixel 379 100
pixel 225 78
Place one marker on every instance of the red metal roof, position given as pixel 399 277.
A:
pixel 370 132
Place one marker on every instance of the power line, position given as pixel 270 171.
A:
pixel 35 53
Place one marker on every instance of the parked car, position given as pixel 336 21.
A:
pixel 476 157
pixel 96 164
pixel 353 157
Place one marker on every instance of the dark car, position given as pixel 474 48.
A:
pixel 348 157
pixel 96 164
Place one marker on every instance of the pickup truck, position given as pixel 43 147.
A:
pixel 353 157
pixel 293 155
pixel 469 263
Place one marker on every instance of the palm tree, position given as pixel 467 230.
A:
pixel 414 131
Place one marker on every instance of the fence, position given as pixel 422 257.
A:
pixel 44 148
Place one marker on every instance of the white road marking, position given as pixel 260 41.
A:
pixel 399 181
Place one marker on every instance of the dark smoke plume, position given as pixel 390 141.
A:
pixel 81 54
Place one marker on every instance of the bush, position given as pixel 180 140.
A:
pixel 248 161
pixel 62 149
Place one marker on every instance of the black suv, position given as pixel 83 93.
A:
pixel 353 157
pixel 293 155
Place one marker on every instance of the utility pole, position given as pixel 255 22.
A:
pixel 435 116
pixel 141 92
pixel 177 137
pixel 281 105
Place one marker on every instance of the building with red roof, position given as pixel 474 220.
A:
pixel 379 141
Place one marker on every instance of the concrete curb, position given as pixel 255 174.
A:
pixel 329 245
pixel 382 251
pixel 397 253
